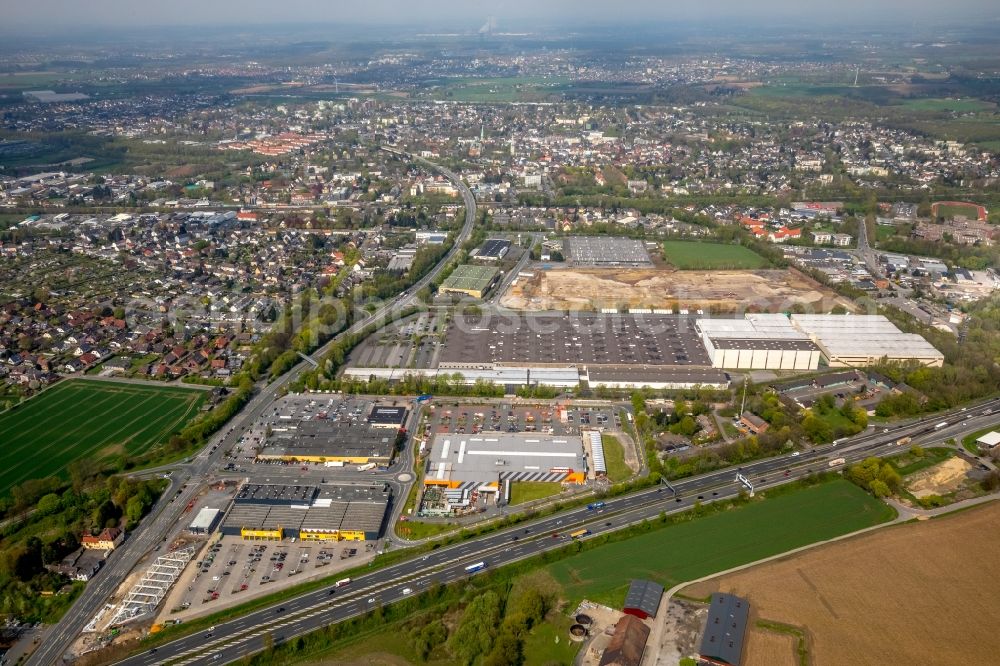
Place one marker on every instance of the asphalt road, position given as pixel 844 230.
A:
pixel 188 477
pixel 247 635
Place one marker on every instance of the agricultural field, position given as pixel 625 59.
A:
pixel 692 255
pixel 964 105
pixel 716 290
pixel 849 597
pixel 717 542
pixel 88 419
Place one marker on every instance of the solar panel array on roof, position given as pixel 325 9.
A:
pixel 333 508
pixel 606 251
pixel 259 493
pixel 580 338
pixel 493 249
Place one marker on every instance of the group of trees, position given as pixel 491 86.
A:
pixel 53 530
pixel 492 629
pixel 876 476
pixel 825 422
pixel 970 371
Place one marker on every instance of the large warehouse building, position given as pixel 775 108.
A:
pixel 335 439
pixel 309 513
pixel 485 462
pixel 470 280
pixel 558 339
pixel 758 342
pixel 861 340
pixel 614 350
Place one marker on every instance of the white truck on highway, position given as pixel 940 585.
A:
pixel 333 463
pixel 837 461
pixel 366 467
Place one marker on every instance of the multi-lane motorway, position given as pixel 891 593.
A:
pixel 247 635
pixel 188 477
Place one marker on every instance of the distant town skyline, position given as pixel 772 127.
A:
pixel 43 15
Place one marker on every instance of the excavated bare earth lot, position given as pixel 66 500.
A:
pixel 716 290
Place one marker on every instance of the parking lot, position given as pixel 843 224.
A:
pixel 458 418
pixel 230 570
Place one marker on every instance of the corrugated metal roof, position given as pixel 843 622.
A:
pixel 725 629
pixel 597 451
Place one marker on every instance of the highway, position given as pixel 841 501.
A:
pixel 188 477
pixel 300 615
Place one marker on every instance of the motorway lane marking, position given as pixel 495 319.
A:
pixel 450 568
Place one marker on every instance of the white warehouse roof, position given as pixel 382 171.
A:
pixel 753 327
pixel 204 520
pixel 861 338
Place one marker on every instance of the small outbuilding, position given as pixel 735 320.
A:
pixel 643 599
pixel 989 441
pixel 205 521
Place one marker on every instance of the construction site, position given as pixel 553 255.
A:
pixel 717 291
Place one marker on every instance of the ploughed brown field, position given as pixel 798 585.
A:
pixel 766 290
pixel 922 593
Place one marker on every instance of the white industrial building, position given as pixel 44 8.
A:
pixel 861 340
pixel 205 521
pixel 758 342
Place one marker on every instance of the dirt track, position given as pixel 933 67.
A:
pixel 923 593
pixel 716 291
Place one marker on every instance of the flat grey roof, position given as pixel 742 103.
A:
pixel 573 339
pixel 328 438
pixel 682 375
pixel 606 251
pixel 387 415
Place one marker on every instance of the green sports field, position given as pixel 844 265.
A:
pixel 80 418
pixel 717 542
pixel 692 255
pixel 956 209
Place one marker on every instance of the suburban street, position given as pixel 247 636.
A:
pixel 247 635
pixel 188 477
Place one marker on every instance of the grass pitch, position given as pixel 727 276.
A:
pixel 688 255
pixel 79 418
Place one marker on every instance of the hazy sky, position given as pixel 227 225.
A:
pixel 41 15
